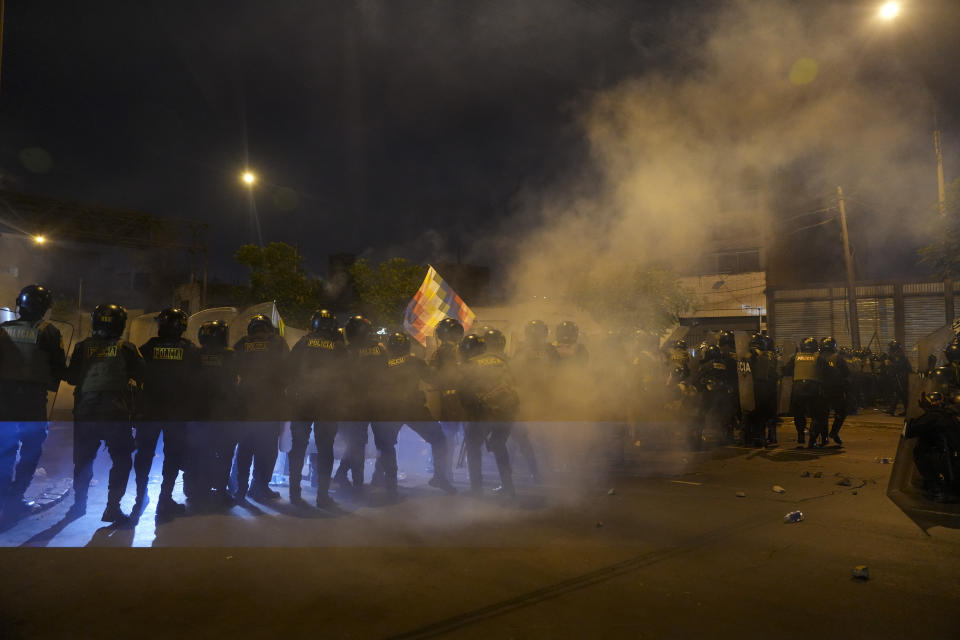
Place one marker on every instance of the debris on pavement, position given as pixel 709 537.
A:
pixel 818 474
pixel 861 572
pixel 599 524
pixel 805 474
pixel 845 482
pixel 741 494
pixel 854 492
pixel 778 489
pixel 612 492
pixel 884 460
pixel 793 516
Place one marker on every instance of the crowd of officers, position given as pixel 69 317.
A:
pixel 827 381
pixel 221 408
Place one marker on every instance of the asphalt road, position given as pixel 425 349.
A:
pixel 672 552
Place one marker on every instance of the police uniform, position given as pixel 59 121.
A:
pixel 101 369
pixel 32 362
pixel 366 364
pixel 445 364
pixel 215 406
pixel 318 362
pixel 489 398
pixel 535 364
pixel 405 403
pixel 260 365
pixel 806 399
pixel 836 388
pixel 170 367
pixel 763 364
pixel 897 370
pixel 715 381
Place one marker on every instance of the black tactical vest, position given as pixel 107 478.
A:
pixel 104 367
pixel 21 358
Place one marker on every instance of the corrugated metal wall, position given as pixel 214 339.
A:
pixel 818 312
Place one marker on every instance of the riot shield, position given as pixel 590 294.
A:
pixel 223 314
pixel 142 328
pixel 745 372
pixel 787 351
pixel 905 490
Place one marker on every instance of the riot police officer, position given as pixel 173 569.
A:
pixel 535 362
pixel 806 399
pixel 215 406
pixel 489 398
pixel 101 367
pixel 937 451
pixel 836 386
pixel 679 358
pixel 763 364
pixel 445 363
pixel 170 366
pixel 32 362
pixel 318 362
pixel 567 346
pixel 261 356
pixel 897 369
pixel 405 403
pixel 366 367
pixel 715 382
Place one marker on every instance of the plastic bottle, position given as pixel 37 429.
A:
pixel 793 516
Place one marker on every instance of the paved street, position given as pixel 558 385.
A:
pixel 672 552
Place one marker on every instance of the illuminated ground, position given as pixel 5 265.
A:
pixel 678 555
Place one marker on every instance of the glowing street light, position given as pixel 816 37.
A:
pixel 889 10
pixel 248 178
pixel 39 239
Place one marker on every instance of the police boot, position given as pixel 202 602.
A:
pixel 16 508
pixel 505 489
pixel 772 434
pixel 801 437
pixel 295 494
pixel 439 482
pixel 167 508
pixel 113 513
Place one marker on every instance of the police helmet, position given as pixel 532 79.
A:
pixel 323 321
pixel 215 333
pixel 536 331
pixel 726 339
pixel 932 399
pixel 495 340
pixel 449 330
pixel 758 341
pixel 952 352
pixel 357 329
pixel 680 344
pixel 712 353
pixel 259 324
pixel 567 332
pixel 809 345
pixel 894 347
pixel 398 344
pixel 171 323
pixel 828 344
pixel 108 320
pixel 472 345
pixel 33 302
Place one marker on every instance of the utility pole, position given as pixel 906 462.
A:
pixel 851 282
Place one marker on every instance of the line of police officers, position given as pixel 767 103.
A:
pixel 220 409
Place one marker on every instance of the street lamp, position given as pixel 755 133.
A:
pixel 39 239
pixel 248 178
pixel 889 10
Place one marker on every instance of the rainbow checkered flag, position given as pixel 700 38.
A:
pixel 434 301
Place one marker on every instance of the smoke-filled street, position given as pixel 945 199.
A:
pixel 671 553
pixel 482 319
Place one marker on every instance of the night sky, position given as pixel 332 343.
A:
pixel 375 127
